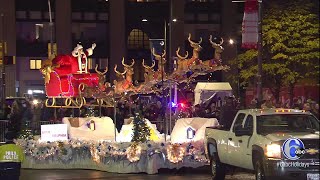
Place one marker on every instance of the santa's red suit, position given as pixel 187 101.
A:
pixel 82 57
pixel 70 72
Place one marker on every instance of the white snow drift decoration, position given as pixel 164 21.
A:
pixel 179 133
pixel 104 129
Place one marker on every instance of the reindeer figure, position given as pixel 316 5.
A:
pixel 103 85
pixel 124 83
pixel 88 91
pixel 148 71
pixel 182 61
pixel 161 63
pixel 218 49
pixel 196 48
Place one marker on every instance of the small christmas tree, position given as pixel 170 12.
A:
pixel 25 133
pixel 141 131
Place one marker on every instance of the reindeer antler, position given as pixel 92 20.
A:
pixel 191 42
pixel 101 73
pixel 181 57
pixel 115 70
pixel 148 67
pixel 157 55
pixel 215 44
pixel 125 65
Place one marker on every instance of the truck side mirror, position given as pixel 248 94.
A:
pixel 242 132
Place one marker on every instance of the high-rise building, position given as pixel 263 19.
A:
pixel 120 28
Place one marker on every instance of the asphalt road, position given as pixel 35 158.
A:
pixel 186 174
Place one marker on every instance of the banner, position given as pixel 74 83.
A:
pixel 54 132
pixel 250 25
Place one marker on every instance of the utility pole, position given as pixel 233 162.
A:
pixel 3 75
pixel 51 31
pixel 259 75
pixel 163 102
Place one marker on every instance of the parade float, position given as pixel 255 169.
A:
pixel 94 142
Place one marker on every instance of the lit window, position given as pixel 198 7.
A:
pixel 35 63
pixel 138 40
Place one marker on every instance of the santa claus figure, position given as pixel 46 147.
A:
pixel 82 57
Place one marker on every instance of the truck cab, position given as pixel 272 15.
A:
pixel 267 141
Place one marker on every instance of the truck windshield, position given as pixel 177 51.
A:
pixel 273 123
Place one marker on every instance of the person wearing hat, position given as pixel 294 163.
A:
pixel 82 57
pixel 11 156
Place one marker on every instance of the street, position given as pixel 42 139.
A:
pixel 190 174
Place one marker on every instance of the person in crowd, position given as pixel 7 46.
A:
pixel 37 108
pixel 211 111
pixel 198 112
pixel 7 111
pixel 307 107
pixel 11 157
pixel 227 113
pixel 315 109
pixel 296 104
pixel 254 103
pixel 15 118
pixel 267 104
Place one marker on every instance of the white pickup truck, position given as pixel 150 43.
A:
pixel 275 143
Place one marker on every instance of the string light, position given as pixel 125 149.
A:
pixel 175 153
pixel 134 152
pixel 98 150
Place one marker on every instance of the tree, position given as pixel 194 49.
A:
pixel 290 33
pixel 141 131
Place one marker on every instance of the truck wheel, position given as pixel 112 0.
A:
pixel 259 171
pixel 217 169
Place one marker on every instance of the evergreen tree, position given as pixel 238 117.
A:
pixel 141 131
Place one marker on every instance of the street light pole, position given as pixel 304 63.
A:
pixel 51 30
pixel 234 43
pixel 162 82
pixel 259 75
pixel 3 76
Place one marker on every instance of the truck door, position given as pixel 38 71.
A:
pixel 244 154
pixel 233 143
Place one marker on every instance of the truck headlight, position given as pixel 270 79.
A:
pixel 273 151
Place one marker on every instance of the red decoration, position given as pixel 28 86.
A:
pixel 64 80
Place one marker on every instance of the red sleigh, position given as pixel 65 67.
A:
pixel 65 79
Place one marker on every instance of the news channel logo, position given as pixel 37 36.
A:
pixel 293 148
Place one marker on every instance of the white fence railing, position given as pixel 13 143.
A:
pixel 29 125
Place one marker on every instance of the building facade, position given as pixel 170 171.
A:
pixel 120 28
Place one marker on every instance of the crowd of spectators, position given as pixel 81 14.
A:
pixel 297 103
pixel 151 108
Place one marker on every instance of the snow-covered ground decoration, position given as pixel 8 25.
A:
pixel 180 131
pixel 112 156
pixel 95 148
pixel 103 128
